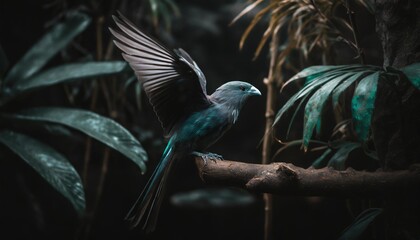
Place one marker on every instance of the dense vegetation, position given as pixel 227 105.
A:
pixel 341 80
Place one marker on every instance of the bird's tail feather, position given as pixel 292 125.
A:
pixel 146 208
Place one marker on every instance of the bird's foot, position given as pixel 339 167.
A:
pixel 208 156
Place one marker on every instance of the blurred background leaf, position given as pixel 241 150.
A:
pixel 213 198
pixel 49 45
pixel 102 129
pixel 50 164
pixel 63 74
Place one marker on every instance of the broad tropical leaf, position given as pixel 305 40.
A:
pixel 67 73
pixel 100 128
pixel 50 164
pixel 413 74
pixel 363 102
pixel 325 82
pixel 359 225
pixel 316 104
pixel 346 84
pixel 52 42
pixel 315 78
pixel 310 72
pixel 304 92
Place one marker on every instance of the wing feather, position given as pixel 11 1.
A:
pixel 173 82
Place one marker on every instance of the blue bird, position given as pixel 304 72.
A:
pixel 191 119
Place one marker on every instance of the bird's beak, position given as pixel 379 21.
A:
pixel 254 91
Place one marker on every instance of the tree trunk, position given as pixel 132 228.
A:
pixel 396 119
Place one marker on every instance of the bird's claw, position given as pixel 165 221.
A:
pixel 208 156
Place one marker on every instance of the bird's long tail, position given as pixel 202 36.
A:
pixel 146 208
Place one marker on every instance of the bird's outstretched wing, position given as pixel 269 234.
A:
pixel 173 82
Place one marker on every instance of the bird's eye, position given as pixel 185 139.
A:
pixel 242 88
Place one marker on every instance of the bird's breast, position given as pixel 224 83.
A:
pixel 204 128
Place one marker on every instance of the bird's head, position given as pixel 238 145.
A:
pixel 235 93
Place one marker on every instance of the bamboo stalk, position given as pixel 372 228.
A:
pixel 268 136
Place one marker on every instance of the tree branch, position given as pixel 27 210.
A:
pixel 287 179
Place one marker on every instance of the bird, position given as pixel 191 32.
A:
pixel 191 119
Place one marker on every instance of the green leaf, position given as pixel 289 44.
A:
pixel 310 72
pixel 292 120
pixel 57 130
pixel 353 69
pixel 100 128
pixel 303 93
pixel 338 160
pixel 359 225
pixel 52 42
pixel 318 126
pixel 50 164
pixel 318 77
pixel 320 162
pixel 343 86
pixel 413 74
pixel 313 108
pixel 363 102
pixel 67 73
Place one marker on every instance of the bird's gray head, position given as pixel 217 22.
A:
pixel 234 93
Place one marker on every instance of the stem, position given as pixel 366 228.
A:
pixel 355 32
pixel 104 168
pixel 104 171
pixel 99 191
pixel 99 45
pixel 268 137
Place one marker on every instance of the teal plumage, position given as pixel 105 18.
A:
pixel 191 119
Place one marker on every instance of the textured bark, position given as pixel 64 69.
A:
pixel 398 26
pixel 290 180
pixel 395 123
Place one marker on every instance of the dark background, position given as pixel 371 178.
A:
pixel 31 209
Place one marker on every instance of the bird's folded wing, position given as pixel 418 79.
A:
pixel 174 84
